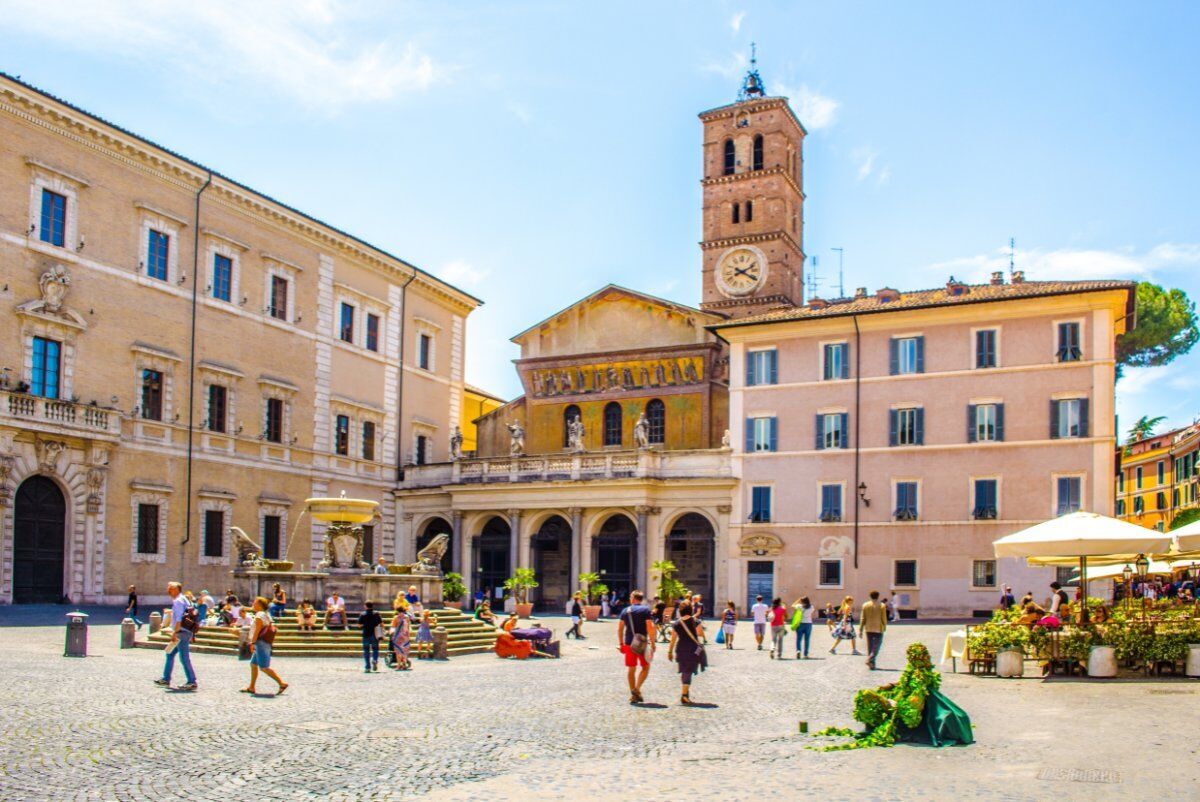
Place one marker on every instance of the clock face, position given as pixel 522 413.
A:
pixel 741 271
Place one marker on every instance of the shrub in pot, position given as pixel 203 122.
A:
pixel 593 589
pixel 518 585
pixel 453 590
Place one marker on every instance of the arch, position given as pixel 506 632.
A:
pixel 39 541
pixel 614 553
pixel 736 213
pixel 613 424
pixel 550 552
pixel 492 555
pixel 431 528
pixel 730 158
pixel 690 543
pixel 570 413
pixel 758 152
pixel 656 417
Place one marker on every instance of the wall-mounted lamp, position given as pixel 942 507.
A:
pixel 862 494
pixel 182 278
pixel 243 301
pixel 82 243
pixel 239 429
pixel 32 228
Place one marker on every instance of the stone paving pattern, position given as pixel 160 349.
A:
pixel 480 728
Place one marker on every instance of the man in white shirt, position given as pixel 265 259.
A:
pixel 181 640
pixel 759 611
pixel 335 610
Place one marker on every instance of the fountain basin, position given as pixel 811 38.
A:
pixel 341 510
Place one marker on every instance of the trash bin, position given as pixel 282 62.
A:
pixel 76 635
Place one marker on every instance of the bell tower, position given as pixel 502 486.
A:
pixel 753 247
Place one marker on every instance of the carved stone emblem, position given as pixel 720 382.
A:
pixel 764 545
pixel 53 284
pixel 95 482
pixel 48 452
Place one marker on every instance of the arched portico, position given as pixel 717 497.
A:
pixel 551 559
pixel 615 553
pixel 431 528
pixel 691 545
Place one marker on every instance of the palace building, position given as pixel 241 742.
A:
pixel 183 354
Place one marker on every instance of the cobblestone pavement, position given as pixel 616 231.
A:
pixel 480 728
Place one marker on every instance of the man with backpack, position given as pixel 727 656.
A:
pixel 184 623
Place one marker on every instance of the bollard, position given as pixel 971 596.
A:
pixel 155 621
pixel 244 652
pixel 803 727
pixel 76 645
pixel 128 633
pixel 441 643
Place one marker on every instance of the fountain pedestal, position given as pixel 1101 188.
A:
pixel 382 588
pixel 298 585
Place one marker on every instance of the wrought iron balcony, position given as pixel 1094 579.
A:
pixel 57 416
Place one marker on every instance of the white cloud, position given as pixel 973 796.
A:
pixel 735 22
pixel 885 175
pixel 462 273
pixel 1071 263
pixel 815 110
pixel 866 161
pixel 304 51
pixel 733 67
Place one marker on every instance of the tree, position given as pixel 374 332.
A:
pixel 1185 517
pixel 1144 428
pixel 1165 328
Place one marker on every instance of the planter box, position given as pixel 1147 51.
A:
pixel 524 609
pixel 457 605
pixel 591 612
pixel 1010 663
pixel 1102 662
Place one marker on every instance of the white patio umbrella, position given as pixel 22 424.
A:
pixel 1117 571
pixel 1187 538
pixel 1081 535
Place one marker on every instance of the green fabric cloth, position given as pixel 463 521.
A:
pixel 942 724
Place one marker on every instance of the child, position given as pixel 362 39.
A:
pixel 401 638
pixel 425 637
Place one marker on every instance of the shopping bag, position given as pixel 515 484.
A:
pixel 721 635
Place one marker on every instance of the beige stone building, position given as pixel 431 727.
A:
pixel 182 354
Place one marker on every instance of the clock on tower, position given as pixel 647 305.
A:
pixel 753 204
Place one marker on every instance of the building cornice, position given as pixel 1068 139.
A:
pixel 753 106
pixel 750 239
pixel 733 178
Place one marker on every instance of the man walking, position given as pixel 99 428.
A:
pixel 371 624
pixel 131 607
pixel 873 622
pixel 759 611
pixel 635 640
pixel 1007 600
pixel 183 627
pixel 576 617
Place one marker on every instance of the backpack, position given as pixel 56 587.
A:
pixel 190 620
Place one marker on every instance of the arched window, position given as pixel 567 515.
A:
pixel 749 211
pixel 612 424
pixel 730 158
pixel 737 210
pixel 656 416
pixel 569 414
pixel 758 152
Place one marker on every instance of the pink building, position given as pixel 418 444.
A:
pixel 884 441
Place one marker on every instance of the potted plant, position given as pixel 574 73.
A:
pixel 453 590
pixel 518 585
pixel 593 589
pixel 669 588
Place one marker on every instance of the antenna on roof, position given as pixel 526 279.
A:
pixel 1012 256
pixel 814 280
pixel 841 273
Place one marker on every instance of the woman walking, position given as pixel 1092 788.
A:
pixel 401 639
pixel 778 619
pixel 845 627
pixel 687 650
pixel 576 617
pixel 262 636
pixel 802 623
pixel 729 623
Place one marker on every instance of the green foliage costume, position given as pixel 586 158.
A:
pixel 912 709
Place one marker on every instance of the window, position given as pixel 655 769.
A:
pixel 836 361
pixel 47 358
pixel 569 414
pixel 749 211
pixel 271 541
pixel 368 543
pixel 278 307
pixel 831 503
pixel 1160 500
pixel 222 283
pixel 830 573
pixel 1139 505
pixel 985 423
pixel 905 574
pixel 1069 494
pixel 214 533
pixel 1068 343
pixel 368 440
pixel 157 250
pixel 907 427
pixel 983 574
pixel 1138 473
pixel 273 430
pixel 372 332
pixel 906 501
pixel 54 218
pixel 1069 418
pixel 760 504
pixel 833 430
pixel 1162 472
pixel 612 424
pixel 147 529
pixel 424 351
pixel 422 449
pixel 737 212
pixel 907 355
pixel 985 348
pixel 1121 481
pixel 152 394
pixel 762 367
pixel 761 434
pixel 730 158
pixel 985 500
pixel 656 417
pixel 758 154
pixel 346 326
pixel 218 405
pixel 1120 506
pixel 341 435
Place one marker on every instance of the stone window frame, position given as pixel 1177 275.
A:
pixel 995 575
pixel 148 357
pixel 820 497
pixel 276 508
pixel 165 223
pixel 209 501
pixel 1083 490
pixel 431 330
pixel 220 245
pixel 284 391
pixel 46 177
pixel 149 493
pixel 971 480
pixel 212 373
pixel 916 570
pixel 274 266
pixel 62 330
pixel 841 561
pixel 421 427
pixel 356 412
pixel 363 304
pixel 896 481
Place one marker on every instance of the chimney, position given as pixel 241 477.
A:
pixel 817 303
pixel 861 292
pixel 998 277
pixel 1018 277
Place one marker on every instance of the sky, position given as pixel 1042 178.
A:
pixel 532 152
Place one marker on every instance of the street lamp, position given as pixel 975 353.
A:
pixel 1143 567
pixel 1127 573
